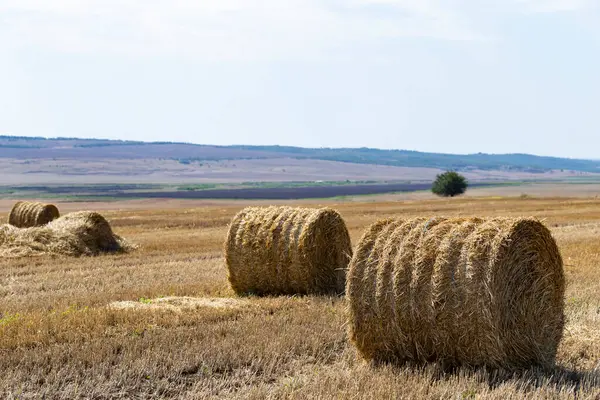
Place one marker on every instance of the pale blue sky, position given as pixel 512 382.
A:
pixel 458 76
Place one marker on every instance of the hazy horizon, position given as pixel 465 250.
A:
pixel 457 77
pixel 278 145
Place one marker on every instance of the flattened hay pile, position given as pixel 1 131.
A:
pixel 26 214
pixel 179 304
pixel 76 234
pixel 285 250
pixel 462 291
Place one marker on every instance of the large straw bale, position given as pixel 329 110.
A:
pixel 26 214
pixel 285 250
pixel 75 234
pixel 461 291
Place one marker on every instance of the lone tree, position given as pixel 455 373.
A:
pixel 449 184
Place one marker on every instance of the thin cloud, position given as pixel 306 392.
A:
pixel 224 29
pixel 553 6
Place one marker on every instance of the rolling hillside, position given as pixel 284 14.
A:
pixel 85 149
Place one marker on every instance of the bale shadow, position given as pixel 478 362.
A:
pixel 558 377
pixel 534 378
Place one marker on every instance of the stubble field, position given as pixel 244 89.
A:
pixel 162 322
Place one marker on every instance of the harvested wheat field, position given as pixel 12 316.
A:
pixel 163 321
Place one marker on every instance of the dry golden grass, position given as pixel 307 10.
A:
pixel 60 339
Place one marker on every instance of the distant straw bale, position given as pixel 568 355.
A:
pixel 25 214
pixel 461 291
pixel 76 234
pixel 285 250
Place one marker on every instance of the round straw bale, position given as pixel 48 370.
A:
pixel 76 234
pixel 461 291
pixel 25 214
pixel 284 250
pixel 365 275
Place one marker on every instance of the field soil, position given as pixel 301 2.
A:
pixel 31 171
pixel 162 321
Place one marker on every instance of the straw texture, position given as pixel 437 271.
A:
pixel 75 234
pixel 25 214
pixel 461 291
pixel 284 250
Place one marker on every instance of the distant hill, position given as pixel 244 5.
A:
pixel 74 148
pixel 407 158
